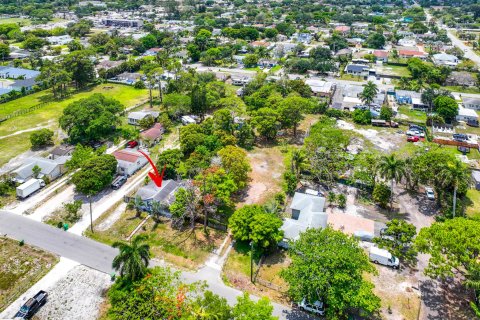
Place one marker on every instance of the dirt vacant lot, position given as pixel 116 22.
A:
pixel 20 267
pixel 266 175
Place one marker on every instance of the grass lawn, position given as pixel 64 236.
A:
pixel 401 71
pixel 20 268
pixel 183 248
pixel 417 116
pixel 267 282
pixel 15 145
pixel 473 203
pixel 462 89
pixel 275 69
pixel 351 78
pixel 22 21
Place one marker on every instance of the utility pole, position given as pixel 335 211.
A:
pixel 251 261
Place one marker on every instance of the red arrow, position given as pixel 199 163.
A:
pixel 156 178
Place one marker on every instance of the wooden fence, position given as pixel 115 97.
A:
pixel 24 111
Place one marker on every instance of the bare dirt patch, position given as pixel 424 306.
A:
pixel 399 294
pixel 266 175
pixel 20 267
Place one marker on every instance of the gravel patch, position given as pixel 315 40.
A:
pixel 77 296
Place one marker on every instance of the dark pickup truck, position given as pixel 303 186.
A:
pixel 32 305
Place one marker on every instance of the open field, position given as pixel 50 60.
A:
pixel 49 115
pixel 20 267
pixel 182 248
pixel 22 21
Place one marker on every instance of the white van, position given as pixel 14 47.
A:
pixel 316 308
pixel 382 256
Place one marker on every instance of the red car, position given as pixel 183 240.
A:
pixel 132 144
pixel 413 139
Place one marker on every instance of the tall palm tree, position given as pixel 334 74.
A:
pixel 369 93
pixel 392 169
pixel 133 259
pixel 298 160
pixel 452 175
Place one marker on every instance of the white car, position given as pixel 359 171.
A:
pixel 317 307
pixel 415 133
pixel 430 194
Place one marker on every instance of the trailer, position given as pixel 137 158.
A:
pixel 384 123
pixel 29 187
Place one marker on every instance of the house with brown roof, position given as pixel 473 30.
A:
pixel 129 161
pixel 381 55
pixel 152 136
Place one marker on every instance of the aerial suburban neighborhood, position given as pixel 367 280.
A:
pixel 240 160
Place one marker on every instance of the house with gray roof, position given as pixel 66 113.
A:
pixel 50 168
pixel 307 211
pixel 445 59
pixel 357 69
pixel 152 196
pixel 18 73
pixel 471 102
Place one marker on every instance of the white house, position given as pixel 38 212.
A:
pixel 59 40
pixel 49 168
pixel 468 115
pixel 129 161
pixel 307 211
pixel 471 103
pixel 136 116
pixel 444 59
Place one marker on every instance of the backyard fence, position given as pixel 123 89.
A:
pixel 24 111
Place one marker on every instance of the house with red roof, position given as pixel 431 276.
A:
pixel 381 55
pixel 343 29
pixel 152 136
pixel 412 54
pixel 129 161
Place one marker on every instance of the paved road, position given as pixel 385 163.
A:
pixel 83 250
pixel 99 256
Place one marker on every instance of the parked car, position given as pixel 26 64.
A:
pixel 118 182
pixel 382 256
pixel 32 305
pixel 415 133
pixel 460 137
pixel 430 194
pixel 384 235
pixel 413 139
pixel 132 144
pixel 316 308
pixel 364 235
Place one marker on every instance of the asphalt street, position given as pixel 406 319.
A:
pixel 90 253
pixel 99 256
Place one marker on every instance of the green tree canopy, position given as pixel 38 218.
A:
pixel 95 174
pixel 329 266
pixel 91 119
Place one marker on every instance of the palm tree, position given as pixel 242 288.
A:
pixel 369 93
pixel 392 169
pixel 133 259
pixel 453 175
pixel 298 160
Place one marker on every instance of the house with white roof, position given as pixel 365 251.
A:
pixel 135 117
pixel 471 102
pixel 470 116
pixel 307 211
pixel 445 59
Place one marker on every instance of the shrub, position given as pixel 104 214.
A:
pixel 361 116
pixel 381 194
pixel 41 138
